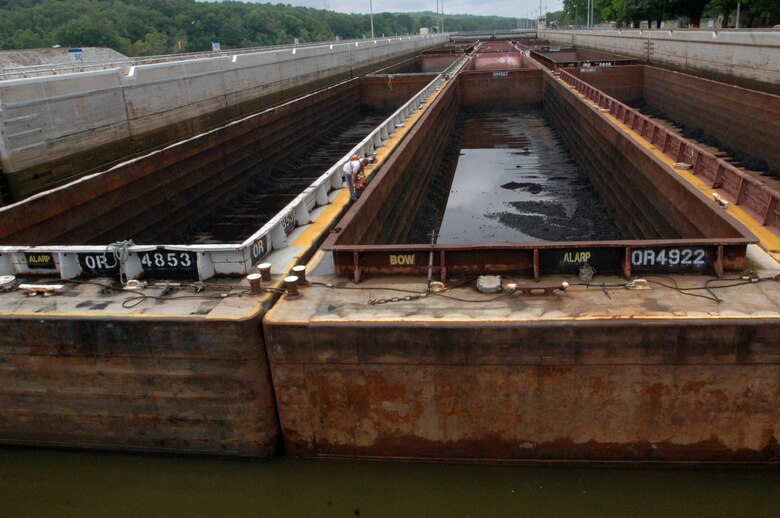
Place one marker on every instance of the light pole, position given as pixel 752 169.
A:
pixel 539 20
pixel 371 11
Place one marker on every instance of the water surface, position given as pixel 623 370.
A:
pixel 64 483
pixel 515 181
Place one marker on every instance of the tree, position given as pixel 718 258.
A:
pixel 153 43
pixel 27 39
pixel 91 30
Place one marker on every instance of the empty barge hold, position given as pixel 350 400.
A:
pixel 161 195
pixel 507 177
pixel 65 125
pixel 719 114
pixel 668 225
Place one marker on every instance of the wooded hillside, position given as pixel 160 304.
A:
pixel 149 27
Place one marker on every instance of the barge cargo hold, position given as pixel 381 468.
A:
pixel 654 209
pixel 60 126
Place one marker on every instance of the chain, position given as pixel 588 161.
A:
pixel 374 302
pixel 121 252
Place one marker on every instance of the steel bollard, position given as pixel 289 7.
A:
pixel 265 272
pixel 291 284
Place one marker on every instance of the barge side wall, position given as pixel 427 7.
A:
pixel 388 92
pixel 512 88
pixel 393 197
pixel 624 83
pixel 644 197
pixel 55 128
pixel 137 384
pixel 728 113
pixel 741 119
pixel 150 197
pixel 617 391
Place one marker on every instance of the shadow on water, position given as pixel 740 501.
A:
pixel 62 483
pixel 506 176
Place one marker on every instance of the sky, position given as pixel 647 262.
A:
pixel 509 8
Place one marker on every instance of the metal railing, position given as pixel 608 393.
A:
pixel 7 73
pixel 129 260
pixel 739 187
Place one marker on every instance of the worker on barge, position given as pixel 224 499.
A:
pixel 352 170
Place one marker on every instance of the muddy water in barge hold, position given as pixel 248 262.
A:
pixel 58 483
pixel 515 181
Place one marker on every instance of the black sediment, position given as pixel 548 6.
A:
pixel 519 181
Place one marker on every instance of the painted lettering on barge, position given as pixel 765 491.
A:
pixel 169 263
pixel 99 263
pixel 288 222
pixel 569 260
pixel 39 260
pixel 576 257
pixel 668 259
pixel 259 249
pixel 402 259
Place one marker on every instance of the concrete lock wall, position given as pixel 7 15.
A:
pixel 56 127
pixel 746 58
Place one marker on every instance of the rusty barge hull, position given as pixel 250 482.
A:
pixel 391 371
pixel 504 390
pixel 188 383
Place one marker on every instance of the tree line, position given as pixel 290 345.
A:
pixel 631 12
pixel 150 27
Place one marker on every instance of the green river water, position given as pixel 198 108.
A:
pixel 63 483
